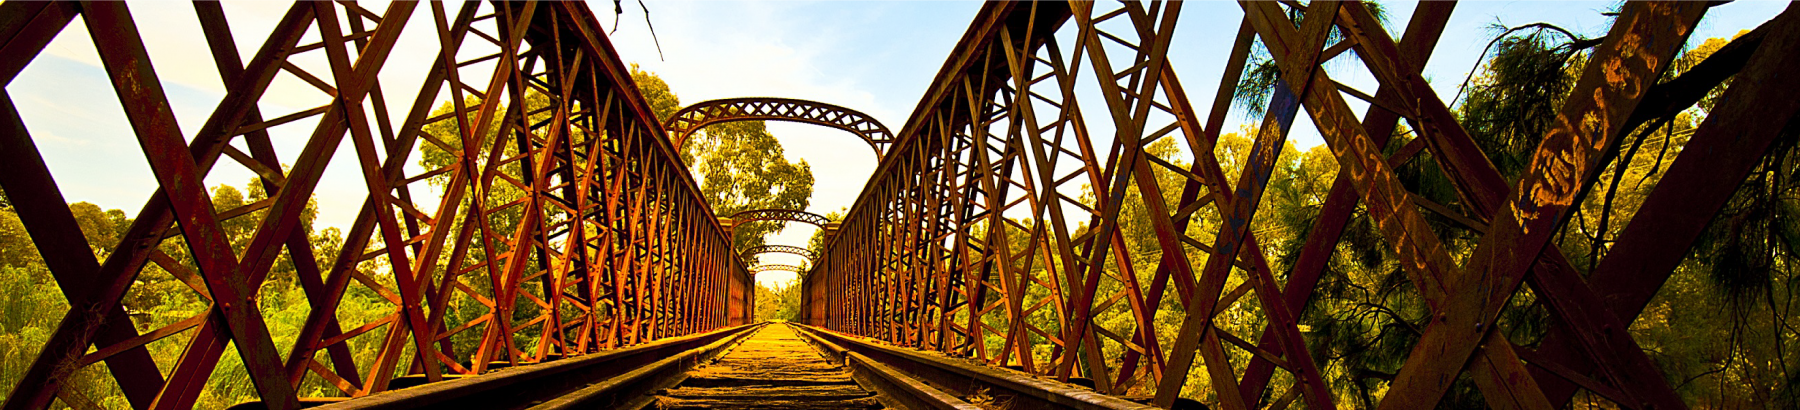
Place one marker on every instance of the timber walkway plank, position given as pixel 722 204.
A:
pixel 773 369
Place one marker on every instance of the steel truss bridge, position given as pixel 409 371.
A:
pixel 595 269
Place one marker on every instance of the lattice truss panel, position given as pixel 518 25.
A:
pixel 998 209
pixel 560 223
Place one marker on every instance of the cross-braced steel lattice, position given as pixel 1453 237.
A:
pixel 995 218
pixel 563 221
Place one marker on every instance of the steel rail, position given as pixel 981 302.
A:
pixel 621 379
pixel 597 379
pixel 910 392
pixel 1021 391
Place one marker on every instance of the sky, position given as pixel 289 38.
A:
pixel 877 57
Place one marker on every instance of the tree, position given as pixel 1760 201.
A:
pixel 816 243
pixel 1519 93
pixel 740 165
pixel 16 248
pixel 1261 73
pixel 778 302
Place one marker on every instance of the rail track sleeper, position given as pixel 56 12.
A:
pixel 905 390
pixel 625 391
pixel 1016 390
pixel 524 386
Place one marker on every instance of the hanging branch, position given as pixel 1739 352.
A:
pixel 1576 43
pixel 619 9
pixel 659 53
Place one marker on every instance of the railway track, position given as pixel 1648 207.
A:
pixel 772 369
pixel 752 367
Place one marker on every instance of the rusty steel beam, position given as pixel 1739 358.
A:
pixel 969 237
pixel 556 383
pixel 572 202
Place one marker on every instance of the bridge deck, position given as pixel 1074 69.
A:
pixel 773 369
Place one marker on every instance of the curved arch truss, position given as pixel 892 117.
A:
pixel 697 116
pixel 780 215
pixel 776 267
pixel 788 249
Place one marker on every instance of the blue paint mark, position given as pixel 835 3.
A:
pixel 1285 105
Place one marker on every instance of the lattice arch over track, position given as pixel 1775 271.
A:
pixel 787 249
pixel 694 117
pixel 774 267
pixel 781 215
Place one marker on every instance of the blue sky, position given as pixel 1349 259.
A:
pixel 876 57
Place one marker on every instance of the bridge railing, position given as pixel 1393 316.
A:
pixel 527 207
pixel 994 226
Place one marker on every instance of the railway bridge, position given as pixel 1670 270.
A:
pixel 558 254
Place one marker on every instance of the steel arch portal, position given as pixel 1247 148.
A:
pixel 697 116
pixel 787 249
pixel 790 215
pixel 772 267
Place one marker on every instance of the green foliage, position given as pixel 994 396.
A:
pixel 1261 73
pixel 32 303
pixel 1517 97
pixel 663 102
pixel 778 302
pixel 816 243
pixel 16 248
